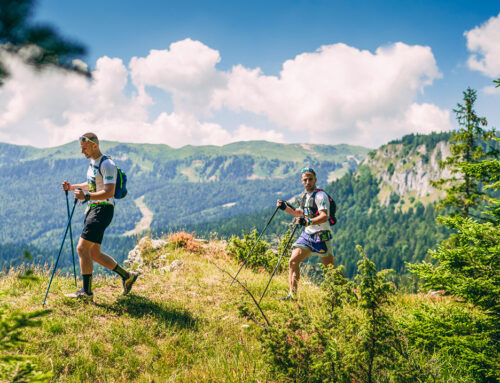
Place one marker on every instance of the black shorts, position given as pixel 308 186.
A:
pixel 97 220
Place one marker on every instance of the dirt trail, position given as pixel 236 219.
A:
pixel 147 218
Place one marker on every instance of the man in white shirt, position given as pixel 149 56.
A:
pixel 314 214
pixel 98 191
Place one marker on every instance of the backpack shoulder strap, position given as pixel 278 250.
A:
pixel 302 202
pixel 312 200
pixel 333 207
pixel 103 157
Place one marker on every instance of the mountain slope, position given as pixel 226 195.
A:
pixel 390 213
pixel 179 186
pixel 189 324
pixel 181 326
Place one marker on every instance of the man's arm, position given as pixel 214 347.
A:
pixel 289 209
pixel 295 213
pixel 322 217
pixel 108 192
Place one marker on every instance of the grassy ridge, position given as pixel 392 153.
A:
pixel 265 149
pixel 183 325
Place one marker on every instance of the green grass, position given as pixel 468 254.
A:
pixel 179 326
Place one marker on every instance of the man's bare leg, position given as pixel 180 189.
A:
pixel 328 260
pixel 83 249
pixel 101 258
pixel 298 255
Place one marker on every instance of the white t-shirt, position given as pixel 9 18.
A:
pixel 322 203
pixel 96 181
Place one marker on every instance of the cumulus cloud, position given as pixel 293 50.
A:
pixel 418 118
pixel 338 94
pixel 54 107
pixel 484 43
pixel 186 70
pixel 492 89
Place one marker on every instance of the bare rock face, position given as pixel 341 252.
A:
pixel 409 173
pixel 158 243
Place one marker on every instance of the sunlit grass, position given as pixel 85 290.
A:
pixel 180 326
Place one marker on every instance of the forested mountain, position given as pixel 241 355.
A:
pixel 387 205
pixel 185 186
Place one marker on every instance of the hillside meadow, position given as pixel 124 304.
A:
pixel 188 324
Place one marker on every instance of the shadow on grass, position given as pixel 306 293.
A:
pixel 137 306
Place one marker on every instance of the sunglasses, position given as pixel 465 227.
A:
pixel 83 139
pixel 311 170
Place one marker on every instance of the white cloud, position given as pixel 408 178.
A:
pixel 491 89
pixel 338 94
pixel 53 107
pixel 418 118
pixel 334 93
pixel 484 43
pixel 187 71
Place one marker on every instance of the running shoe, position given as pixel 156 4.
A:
pixel 128 283
pixel 81 294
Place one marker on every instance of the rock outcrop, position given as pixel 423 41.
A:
pixel 136 256
pixel 408 173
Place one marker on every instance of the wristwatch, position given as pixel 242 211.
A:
pixel 87 196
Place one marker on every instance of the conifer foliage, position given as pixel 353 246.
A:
pixel 36 45
pixel 468 264
pixel 15 367
pixel 471 145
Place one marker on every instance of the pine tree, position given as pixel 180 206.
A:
pixel 36 45
pixel 468 265
pixel 464 191
pixel 374 351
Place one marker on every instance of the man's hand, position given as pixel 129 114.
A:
pixel 79 194
pixel 66 186
pixel 303 221
pixel 281 204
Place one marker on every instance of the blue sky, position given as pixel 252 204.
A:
pixel 220 104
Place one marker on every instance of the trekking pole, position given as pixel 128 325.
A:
pixel 255 244
pixel 60 249
pixel 279 260
pixel 71 236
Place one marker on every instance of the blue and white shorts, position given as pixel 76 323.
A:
pixel 309 242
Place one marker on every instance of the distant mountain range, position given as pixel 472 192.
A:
pixel 167 187
pixel 384 197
